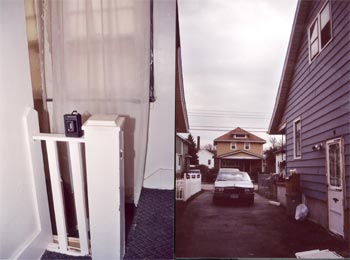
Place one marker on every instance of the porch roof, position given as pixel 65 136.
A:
pixel 241 155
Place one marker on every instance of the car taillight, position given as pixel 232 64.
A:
pixel 248 190
pixel 219 189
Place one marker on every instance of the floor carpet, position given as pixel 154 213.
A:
pixel 150 230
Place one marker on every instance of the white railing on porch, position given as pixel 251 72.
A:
pixel 188 186
pixel 105 183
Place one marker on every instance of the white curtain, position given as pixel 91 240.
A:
pixel 97 60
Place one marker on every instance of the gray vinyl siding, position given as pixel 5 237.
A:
pixel 319 94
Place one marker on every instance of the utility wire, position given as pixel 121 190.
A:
pixel 228 111
pixel 225 130
pixel 228 127
pixel 228 116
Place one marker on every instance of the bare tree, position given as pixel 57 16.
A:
pixel 210 148
pixel 275 144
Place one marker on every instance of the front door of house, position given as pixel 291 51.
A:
pixel 335 173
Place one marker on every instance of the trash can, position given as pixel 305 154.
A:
pixel 293 200
pixel 293 194
pixel 293 184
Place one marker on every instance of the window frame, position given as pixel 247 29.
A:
pixel 318 20
pixel 247 149
pixel 235 144
pixel 240 137
pixel 297 156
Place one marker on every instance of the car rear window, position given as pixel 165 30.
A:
pixel 233 176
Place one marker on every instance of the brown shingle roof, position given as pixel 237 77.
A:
pixel 230 136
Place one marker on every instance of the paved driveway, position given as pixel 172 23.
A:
pixel 258 231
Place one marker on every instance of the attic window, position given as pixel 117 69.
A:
pixel 240 136
pixel 320 32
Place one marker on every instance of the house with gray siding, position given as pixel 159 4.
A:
pixel 312 110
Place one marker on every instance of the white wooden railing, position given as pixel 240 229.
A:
pixel 105 181
pixel 188 186
pixel 76 162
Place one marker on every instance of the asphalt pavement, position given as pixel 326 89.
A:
pixel 233 230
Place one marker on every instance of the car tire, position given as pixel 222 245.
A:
pixel 251 201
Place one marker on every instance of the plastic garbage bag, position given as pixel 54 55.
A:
pixel 301 212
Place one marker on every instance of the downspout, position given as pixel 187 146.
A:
pixel 152 97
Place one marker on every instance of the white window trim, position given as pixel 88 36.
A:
pixel 248 147
pixel 235 146
pixel 318 17
pixel 294 138
pixel 245 136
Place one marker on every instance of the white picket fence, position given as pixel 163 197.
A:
pixel 188 186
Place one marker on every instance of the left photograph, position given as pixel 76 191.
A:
pixel 89 93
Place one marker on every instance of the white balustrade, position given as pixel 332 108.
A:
pixel 104 158
pixel 76 162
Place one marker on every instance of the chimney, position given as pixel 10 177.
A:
pixel 198 143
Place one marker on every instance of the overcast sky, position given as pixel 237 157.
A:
pixel 233 53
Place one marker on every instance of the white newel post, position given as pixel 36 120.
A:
pixel 105 179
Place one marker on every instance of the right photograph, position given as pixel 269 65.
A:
pixel 263 170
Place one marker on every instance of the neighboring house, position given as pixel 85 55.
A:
pixel 182 156
pixel 280 156
pixel 312 110
pixel 239 149
pixel 25 224
pixel 206 158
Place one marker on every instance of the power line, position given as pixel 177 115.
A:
pixel 224 130
pixel 228 116
pixel 226 111
pixel 228 127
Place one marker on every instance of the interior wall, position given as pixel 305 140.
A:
pixel 159 173
pixel 20 223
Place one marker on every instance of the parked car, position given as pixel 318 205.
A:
pixel 232 184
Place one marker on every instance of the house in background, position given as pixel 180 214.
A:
pixel 206 158
pixel 25 220
pixel 240 149
pixel 312 110
pixel 280 156
pixel 182 159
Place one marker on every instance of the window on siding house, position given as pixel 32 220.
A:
pixel 313 38
pixel 209 162
pixel 240 136
pixel 297 139
pixel 320 32
pixel 233 146
pixel 246 146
